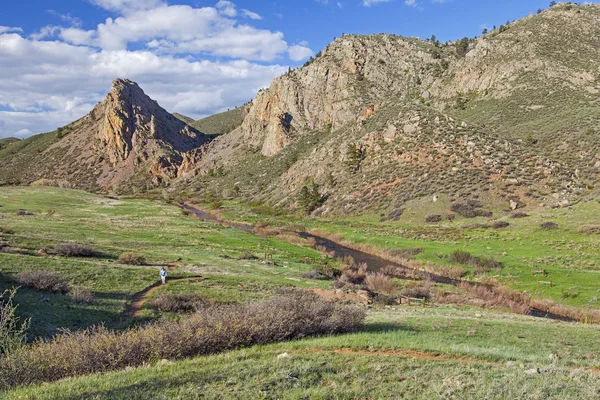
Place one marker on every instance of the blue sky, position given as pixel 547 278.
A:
pixel 58 57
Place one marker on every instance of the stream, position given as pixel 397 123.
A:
pixel 374 262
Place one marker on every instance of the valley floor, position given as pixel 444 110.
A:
pixel 437 351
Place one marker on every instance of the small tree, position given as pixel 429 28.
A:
pixel 485 31
pixel 462 47
pixel 12 330
pixel 309 197
pixel 355 154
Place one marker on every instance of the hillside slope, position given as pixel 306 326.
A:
pixel 217 124
pixel 126 142
pixel 510 118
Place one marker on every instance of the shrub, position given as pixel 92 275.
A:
pixel 408 253
pixel 45 281
pixel 6 231
pixel 354 275
pixel 246 255
pixel 132 259
pixel 73 250
pixel 422 291
pixel 433 218
pixel 12 329
pixel 549 225
pixel 179 303
pixel 500 224
pixel 460 257
pixel 81 294
pixel 589 229
pixel 519 215
pixel 290 315
pixel 380 283
pixel 312 275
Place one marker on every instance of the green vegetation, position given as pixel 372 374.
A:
pixel 217 124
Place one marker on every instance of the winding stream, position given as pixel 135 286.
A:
pixel 374 262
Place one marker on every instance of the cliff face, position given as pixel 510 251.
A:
pixel 511 116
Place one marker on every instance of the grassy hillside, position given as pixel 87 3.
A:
pixel 217 124
pixel 160 233
pixel 419 354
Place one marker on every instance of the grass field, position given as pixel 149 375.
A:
pixel 570 258
pixel 439 351
pixel 161 233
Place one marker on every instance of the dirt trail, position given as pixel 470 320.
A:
pixel 374 262
pixel 134 309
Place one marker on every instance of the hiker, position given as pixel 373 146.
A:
pixel 163 275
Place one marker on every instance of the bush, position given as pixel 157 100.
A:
pixel 73 250
pixel 408 253
pixel 246 255
pixel 589 229
pixel 500 224
pixel 519 215
pixel 313 275
pixel 179 303
pixel 81 295
pixel 6 231
pixel 132 259
pixel 45 281
pixel 290 315
pixel 12 329
pixel 460 257
pixel 422 291
pixel 433 218
pixel 380 283
pixel 355 276
pixel 549 225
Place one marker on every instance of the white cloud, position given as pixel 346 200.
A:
pixel 369 3
pixel 251 15
pixel 183 29
pixel 126 6
pixel 56 83
pixel 226 8
pixel 299 52
pixel 6 29
pixel 196 61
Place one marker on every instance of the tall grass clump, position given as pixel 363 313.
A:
pixel 291 314
pixel 179 303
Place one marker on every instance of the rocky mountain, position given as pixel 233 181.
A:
pixel 126 143
pixel 508 119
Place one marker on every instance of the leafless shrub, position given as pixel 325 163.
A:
pixel 246 255
pixel 418 290
pixel 179 303
pixel 589 229
pixel 433 218
pixel 500 224
pixel 73 250
pixel 380 283
pixel 132 259
pixel 81 295
pixel 312 275
pixel 43 280
pixel 6 231
pixel 405 253
pixel 549 225
pixel 290 315
pixel 519 215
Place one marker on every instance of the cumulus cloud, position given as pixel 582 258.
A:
pixel 196 61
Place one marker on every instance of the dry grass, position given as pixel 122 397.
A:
pixel 81 295
pixel 180 303
pixel 290 315
pixel 132 259
pixel 381 283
